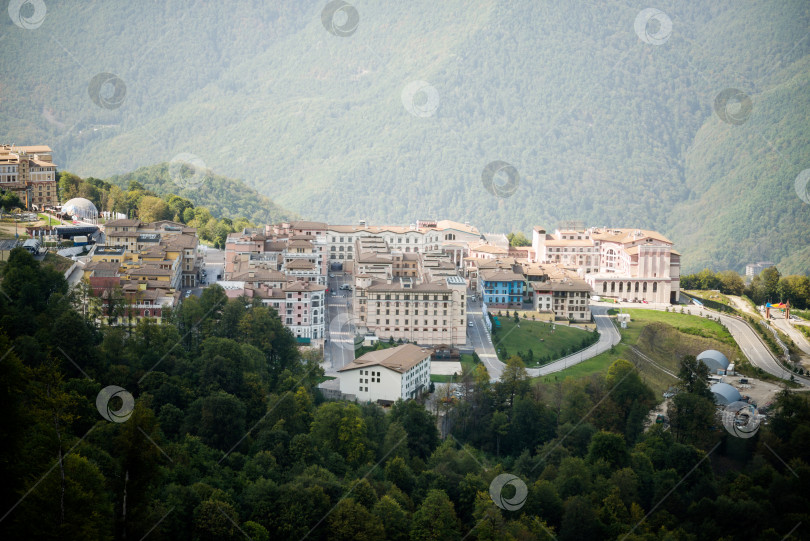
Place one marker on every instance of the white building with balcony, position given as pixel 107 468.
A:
pixel 387 374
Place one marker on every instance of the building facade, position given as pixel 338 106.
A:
pixel 401 372
pixel 29 172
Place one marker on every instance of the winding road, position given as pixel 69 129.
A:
pixel 480 339
pixel 751 345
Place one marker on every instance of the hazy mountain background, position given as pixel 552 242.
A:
pixel 602 127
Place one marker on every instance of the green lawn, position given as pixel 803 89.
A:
pixel 804 314
pixel 362 350
pixel 594 365
pixel 467 363
pixel 662 336
pixel 546 344
pixel 715 296
pixel 45 218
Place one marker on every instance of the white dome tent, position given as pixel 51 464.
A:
pixel 81 208
pixel 725 394
pixel 714 360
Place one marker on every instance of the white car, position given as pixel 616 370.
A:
pixel 471 323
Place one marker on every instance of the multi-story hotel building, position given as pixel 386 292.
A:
pixel 29 172
pixel 410 296
pixel 568 248
pixel 631 264
pixel 452 238
pixel 559 291
pixel 412 310
pixel 170 238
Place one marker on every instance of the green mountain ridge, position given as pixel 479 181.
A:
pixel 601 126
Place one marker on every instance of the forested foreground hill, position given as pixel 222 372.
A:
pixel 600 125
pixel 223 197
pixel 214 430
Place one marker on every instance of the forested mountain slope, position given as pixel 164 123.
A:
pixel 600 125
pixel 224 197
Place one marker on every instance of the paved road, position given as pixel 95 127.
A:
pixel 482 342
pixel 341 329
pixel 788 328
pixel 752 347
pixel 608 337
pixel 479 338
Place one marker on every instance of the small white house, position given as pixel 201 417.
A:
pixel 387 374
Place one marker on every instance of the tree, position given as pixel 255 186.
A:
pixel 694 376
pixel 398 472
pixel 351 521
pixel 609 447
pixel 514 380
pixel 770 282
pixel 691 416
pixel 423 436
pixel 518 239
pixel 152 209
pixel 215 521
pixel 499 425
pixel 395 522
pixel 435 519
pixel 731 283
pixel 340 427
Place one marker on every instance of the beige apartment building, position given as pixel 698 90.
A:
pixel 29 172
pixel 409 309
pixel 447 236
pixel 162 237
pixel 556 290
pixel 410 296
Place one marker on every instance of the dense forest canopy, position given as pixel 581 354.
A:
pixel 601 123
pixel 214 429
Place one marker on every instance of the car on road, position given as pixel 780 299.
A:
pixel 471 323
pixel 331 275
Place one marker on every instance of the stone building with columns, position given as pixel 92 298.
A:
pixel 621 263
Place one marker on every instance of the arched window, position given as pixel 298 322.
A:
pixel 636 287
pixel 645 287
pixel 604 287
pixel 612 287
pixel 621 287
pixel 655 287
